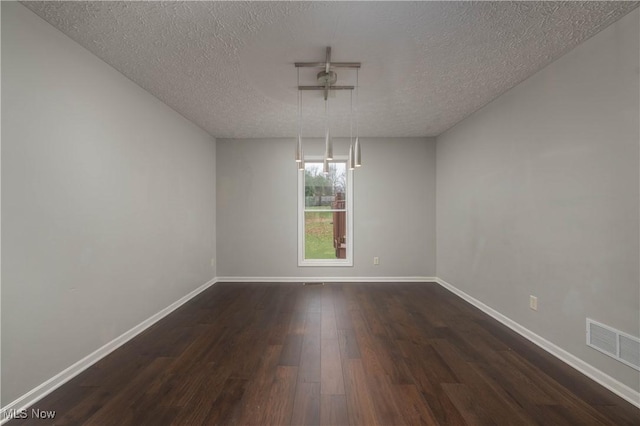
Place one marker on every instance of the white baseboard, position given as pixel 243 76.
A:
pixel 620 389
pixel 325 279
pixel 39 392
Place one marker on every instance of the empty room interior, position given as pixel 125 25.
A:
pixel 336 213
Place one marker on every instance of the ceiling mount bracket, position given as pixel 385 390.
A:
pixel 327 78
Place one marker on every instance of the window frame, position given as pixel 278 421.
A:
pixel 348 261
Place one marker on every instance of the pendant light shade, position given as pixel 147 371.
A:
pixel 328 143
pixel 299 150
pixel 352 159
pixel 299 153
pixel 325 167
pixel 356 149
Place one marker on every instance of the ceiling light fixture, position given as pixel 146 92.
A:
pixel 327 79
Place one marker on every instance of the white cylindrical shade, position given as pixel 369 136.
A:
pixel 328 148
pixel 352 162
pixel 299 149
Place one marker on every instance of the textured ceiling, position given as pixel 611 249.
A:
pixel 228 66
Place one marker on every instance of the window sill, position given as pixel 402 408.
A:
pixel 325 263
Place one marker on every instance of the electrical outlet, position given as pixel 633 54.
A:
pixel 533 302
pixel 376 260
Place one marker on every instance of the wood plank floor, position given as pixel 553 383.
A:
pixel 338 354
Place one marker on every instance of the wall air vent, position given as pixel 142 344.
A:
pixel 615 343
pixel 630 351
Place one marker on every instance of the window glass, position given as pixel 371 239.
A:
pixel 324 217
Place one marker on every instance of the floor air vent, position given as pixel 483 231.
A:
pixel 314 283
pixel 621 346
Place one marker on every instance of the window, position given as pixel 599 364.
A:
pixel 325 219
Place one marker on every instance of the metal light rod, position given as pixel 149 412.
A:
pixel 327 65
pixel 323 65
pixel 323 87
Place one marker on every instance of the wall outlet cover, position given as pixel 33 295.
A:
pixel 533 302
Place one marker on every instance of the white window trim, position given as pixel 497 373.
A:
pixel 349 207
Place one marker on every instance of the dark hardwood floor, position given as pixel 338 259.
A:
pixel 358 354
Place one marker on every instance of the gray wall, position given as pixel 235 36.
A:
pixel 394 209
pixel 537 194
pixel 108 203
